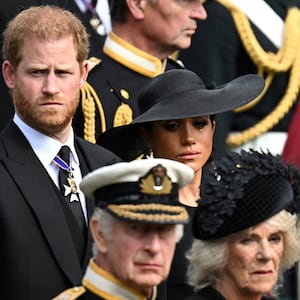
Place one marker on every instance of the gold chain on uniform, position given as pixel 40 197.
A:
pixel 89 101
pixel 268 65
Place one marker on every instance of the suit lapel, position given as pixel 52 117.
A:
pixel 86 165
pixel 25 168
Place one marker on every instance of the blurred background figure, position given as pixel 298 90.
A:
pixel 246 228
pixel 144 36
pixel 94 15
pixel 245 36
pixel 291 150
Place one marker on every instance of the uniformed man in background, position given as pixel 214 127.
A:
pixel 144 35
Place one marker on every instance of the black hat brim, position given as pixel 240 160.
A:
pixel 126 142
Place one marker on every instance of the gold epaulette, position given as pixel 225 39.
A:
pixel 70 294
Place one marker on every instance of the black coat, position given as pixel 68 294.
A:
pixel 209 293
pixel 38 257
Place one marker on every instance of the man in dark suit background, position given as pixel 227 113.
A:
pixel 44 247
pixel 81 8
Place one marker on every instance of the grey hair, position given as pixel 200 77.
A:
pixel 105 224
pixel 208 258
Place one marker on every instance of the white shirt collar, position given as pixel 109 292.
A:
pixel 39 142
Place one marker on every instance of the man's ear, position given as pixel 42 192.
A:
pixel 84 72
pixel 98 237
pixel 9 75
pixel 136 8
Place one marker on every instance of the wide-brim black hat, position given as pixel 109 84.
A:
pixel 178 94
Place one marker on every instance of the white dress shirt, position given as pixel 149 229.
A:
pixel 46 148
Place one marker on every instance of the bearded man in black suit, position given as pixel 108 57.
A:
pixel 43 217
pixel 82 9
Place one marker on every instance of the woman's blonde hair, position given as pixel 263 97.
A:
pixel 208 258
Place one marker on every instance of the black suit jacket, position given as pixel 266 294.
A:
pixel 37 254
pixel 8 9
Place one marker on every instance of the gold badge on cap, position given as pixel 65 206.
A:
pixel 156 182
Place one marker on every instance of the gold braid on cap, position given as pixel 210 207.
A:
pixel 137 212
pixel 268 65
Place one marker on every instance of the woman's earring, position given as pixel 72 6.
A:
pixel 149 154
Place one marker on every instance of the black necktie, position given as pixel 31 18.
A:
pixel 68 188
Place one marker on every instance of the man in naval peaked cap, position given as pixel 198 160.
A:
pixel 136 225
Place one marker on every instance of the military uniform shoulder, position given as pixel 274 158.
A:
pixel 93 62
pixel 70 294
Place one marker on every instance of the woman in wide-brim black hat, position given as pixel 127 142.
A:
pixel 176 121
pixel 175 95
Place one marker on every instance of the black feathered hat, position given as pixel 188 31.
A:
pixel 244 190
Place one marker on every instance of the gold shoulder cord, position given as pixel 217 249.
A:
pixel 268 65
pixel 89 100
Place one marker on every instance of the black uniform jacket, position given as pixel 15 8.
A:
pixel 109 98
